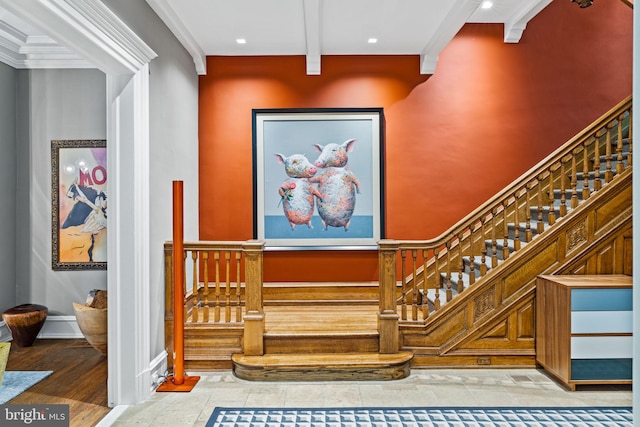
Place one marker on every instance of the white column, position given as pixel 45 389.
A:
pixel 128 235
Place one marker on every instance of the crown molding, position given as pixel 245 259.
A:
pixel 163 9
pixel 86 33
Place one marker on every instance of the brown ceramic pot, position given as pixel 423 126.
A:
pixel 25 322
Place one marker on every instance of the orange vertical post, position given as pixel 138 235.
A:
pixel 178 283
pixel 178 381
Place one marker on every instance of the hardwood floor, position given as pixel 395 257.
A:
pixel 79 377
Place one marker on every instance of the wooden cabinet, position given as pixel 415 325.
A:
pixel 584 328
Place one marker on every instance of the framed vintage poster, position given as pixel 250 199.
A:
pixel 79 205
pixel 318 178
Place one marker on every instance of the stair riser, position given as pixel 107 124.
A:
pixel 324 373
pixel 320 344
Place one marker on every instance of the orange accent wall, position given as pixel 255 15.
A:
pixel 490 112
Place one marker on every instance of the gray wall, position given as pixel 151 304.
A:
pixel 8 99
pixel 173 124
pixel 52 105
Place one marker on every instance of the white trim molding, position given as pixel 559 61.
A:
pixel 89 28
pixel 128 233
pixel 449 27
pixel 312 33
pixel 163 9
pixel 515 26
pixel 59 327
pixel 55 327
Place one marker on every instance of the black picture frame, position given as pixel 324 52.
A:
pixel 341 206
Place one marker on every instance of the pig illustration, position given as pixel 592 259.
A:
pixel 297 192
pixel 337 184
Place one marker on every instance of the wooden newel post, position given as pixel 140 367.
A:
pixel 178 381
pixel 388 315
pixel 254 316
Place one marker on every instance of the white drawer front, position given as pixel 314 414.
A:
pixel 598 322
pixel 601 347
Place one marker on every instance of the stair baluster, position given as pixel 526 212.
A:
pixel 448 279
pixel 437 278
pixel 563 189
pixel 540 223
pixel 608 174
pixel 586 190
pixel 216 309
pixel 238 288
pixel 414 285
pixel 472 258
pixel 574 182
pixel 494 240
pixel 460 286
pixel 483 250
pixel 630 139
pixel 620 147
pixel 403 301
pixel 516 221
pixel 551 217
pixel 425 284
pixel 597 182
pixel 205 285
pixel 505 230
pixel 527 212
pixel 227 289
pixel 194 288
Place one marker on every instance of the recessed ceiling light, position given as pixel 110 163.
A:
pixel 241 41
pixel 372 40
pixel 487 4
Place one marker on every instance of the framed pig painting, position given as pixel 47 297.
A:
pixel 318 178
pixel 79 204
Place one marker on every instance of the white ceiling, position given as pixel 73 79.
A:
pixel 291 27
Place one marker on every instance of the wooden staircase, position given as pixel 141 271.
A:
pixel 464 299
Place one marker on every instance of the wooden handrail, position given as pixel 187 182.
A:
pixel 550 190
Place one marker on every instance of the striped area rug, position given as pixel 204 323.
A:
pixel 423 417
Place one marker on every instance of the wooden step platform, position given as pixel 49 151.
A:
pixel 323 367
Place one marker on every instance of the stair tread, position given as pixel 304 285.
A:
pixel 327 360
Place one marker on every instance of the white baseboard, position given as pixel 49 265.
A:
pixel 112 416
pixel 58 327
pixel 158 369
pixel 54 327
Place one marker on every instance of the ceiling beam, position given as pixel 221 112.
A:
pixel 448 28
pixel 514 27
pixel 312 35
pixel 164 10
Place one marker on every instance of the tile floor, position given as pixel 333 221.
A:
pixel 432 387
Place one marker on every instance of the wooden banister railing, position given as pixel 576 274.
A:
pixel 223 285
pixel 433 271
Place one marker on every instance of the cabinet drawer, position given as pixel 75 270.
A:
pixel 609 299
pixel 599 322
pixel 601 369
pixel 609 347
